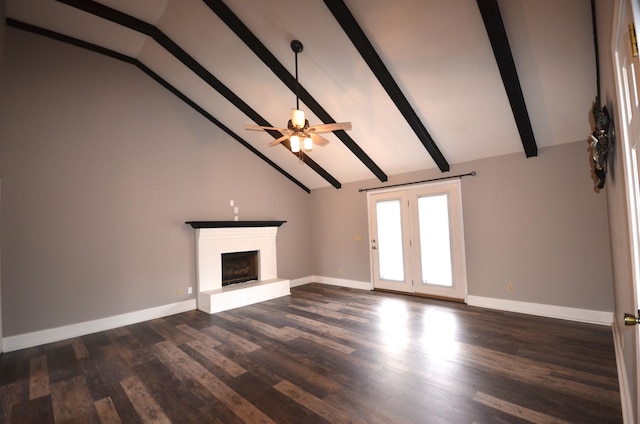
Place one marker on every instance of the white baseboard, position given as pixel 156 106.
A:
pixel 301 281
pixel 352 284
pixel 550 311
pixel 36 338
pixel 341 282
pixel 623 381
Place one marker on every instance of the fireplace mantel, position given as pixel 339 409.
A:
pixel 233 224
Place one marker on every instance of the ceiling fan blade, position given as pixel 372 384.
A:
pixel 279 140
pixel 318 139
pixel 345 126
pixel 261 128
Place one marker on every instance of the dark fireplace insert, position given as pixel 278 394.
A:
pixel 238 267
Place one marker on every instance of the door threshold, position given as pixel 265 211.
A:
pixel 427 296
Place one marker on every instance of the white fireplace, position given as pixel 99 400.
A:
pixel 214 238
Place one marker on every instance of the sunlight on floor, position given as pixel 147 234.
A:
pixel 439 334
pixel 394 318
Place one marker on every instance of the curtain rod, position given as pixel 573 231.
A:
pixel 472 174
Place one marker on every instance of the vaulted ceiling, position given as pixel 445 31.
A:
pixel 425 83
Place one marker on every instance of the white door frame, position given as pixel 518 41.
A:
pixel 630 154
pixel 1 333
pixel 452 186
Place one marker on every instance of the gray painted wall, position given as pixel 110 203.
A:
pixel 536 223
pixel 100 169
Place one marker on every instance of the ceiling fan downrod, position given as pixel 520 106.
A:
pixel 297 47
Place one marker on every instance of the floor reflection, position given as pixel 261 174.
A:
pixel 436 328
pixel 394 317
pixel 439 333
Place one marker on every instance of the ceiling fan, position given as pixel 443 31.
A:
pixel 300 134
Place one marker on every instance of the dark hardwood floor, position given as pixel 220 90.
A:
pixel 323 354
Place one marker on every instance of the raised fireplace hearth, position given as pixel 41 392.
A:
pixel 249 277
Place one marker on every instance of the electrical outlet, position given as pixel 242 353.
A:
pixel 340 270
pixel 179 292
pixel 509 287
pixel 189 290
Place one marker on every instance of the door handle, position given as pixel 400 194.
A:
pixel 632 319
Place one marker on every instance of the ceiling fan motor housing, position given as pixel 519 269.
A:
pixel 296 46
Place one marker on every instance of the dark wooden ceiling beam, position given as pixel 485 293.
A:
pixel 152 31
pixel 502 51
pixel 119 56
pixel 359 39
pixel 240 29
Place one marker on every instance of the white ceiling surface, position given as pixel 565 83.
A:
pixel 437 51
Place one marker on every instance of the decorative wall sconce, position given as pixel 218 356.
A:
pixel 602 142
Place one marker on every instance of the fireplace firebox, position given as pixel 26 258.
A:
pixel 239 267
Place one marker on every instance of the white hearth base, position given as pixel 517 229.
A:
pixel 243 294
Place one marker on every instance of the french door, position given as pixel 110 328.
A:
pixel 417 240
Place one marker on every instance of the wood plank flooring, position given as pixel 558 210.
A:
pixel 322 355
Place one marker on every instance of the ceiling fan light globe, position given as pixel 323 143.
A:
pixel 295 143
pixel 297 118
pixel 308 143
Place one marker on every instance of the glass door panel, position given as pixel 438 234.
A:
pixel 437 216
pixel 390 241
pixel 435 240
pixel 390 250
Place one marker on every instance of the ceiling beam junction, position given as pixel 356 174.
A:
pixel 152 31
pixel 359 39
pixel 502 51
pixel 244 33
pixel 128 59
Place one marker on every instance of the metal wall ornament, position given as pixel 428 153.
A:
pixel 602 142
